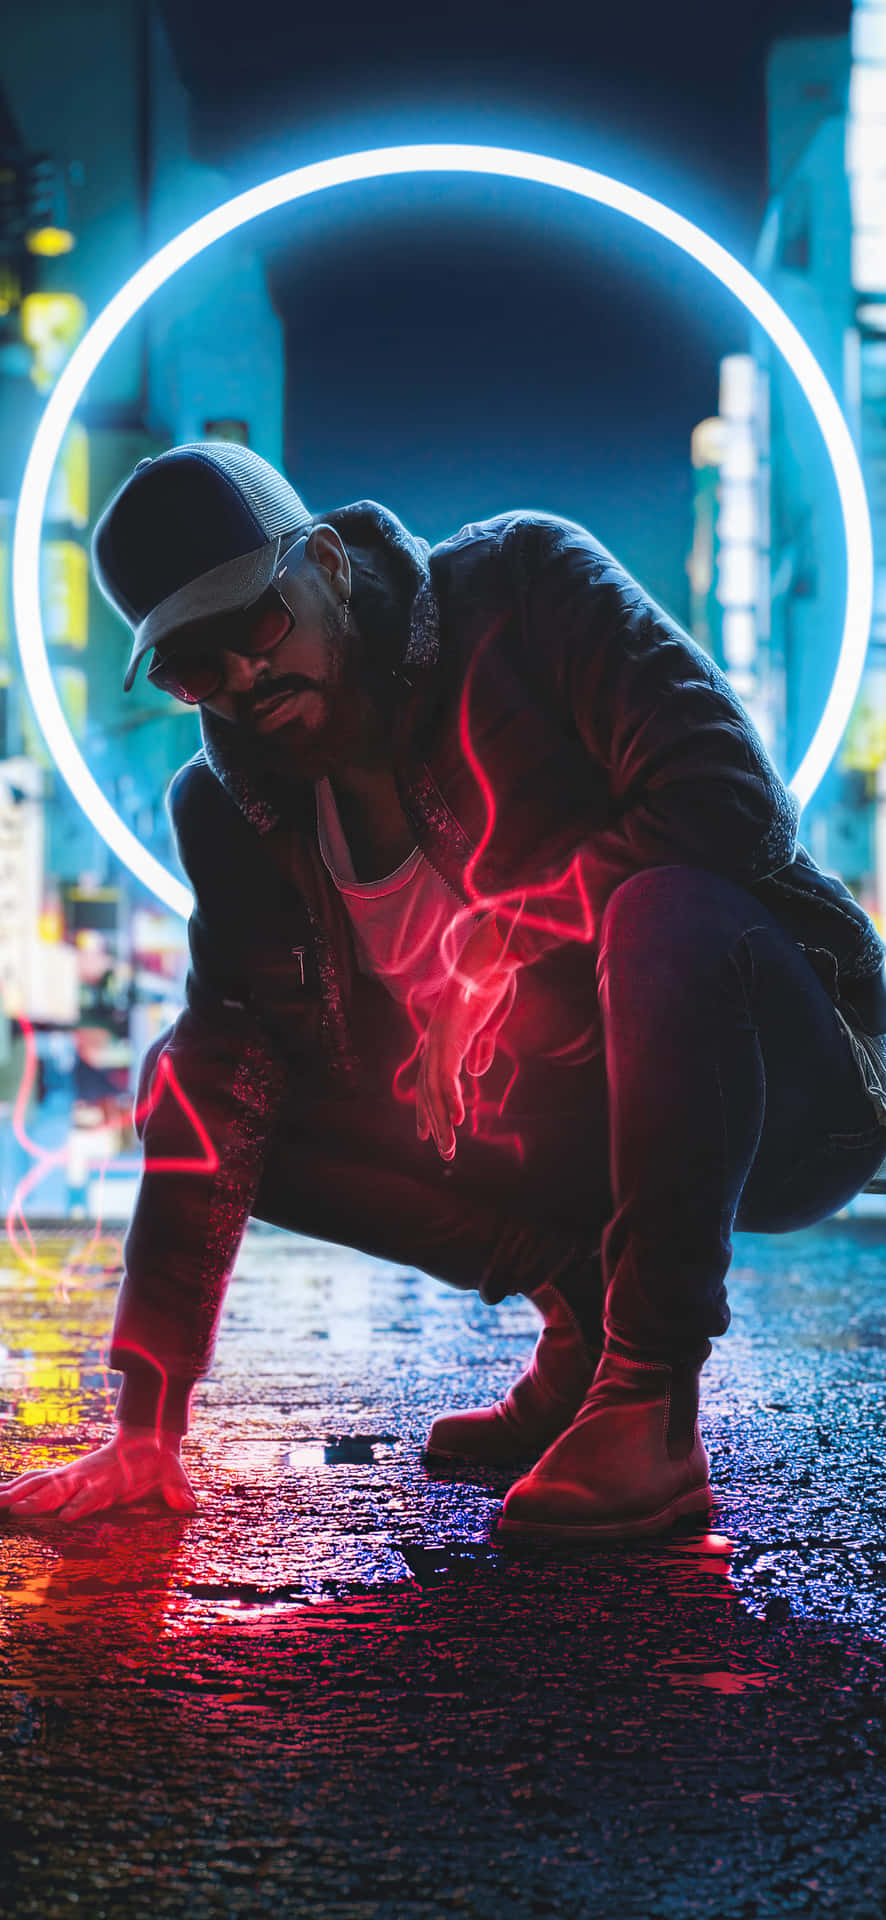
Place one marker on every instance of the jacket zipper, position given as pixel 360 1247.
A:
pixel 442 876
pixel 415 823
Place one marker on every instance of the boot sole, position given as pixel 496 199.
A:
pixel 699 1501
pixel 435 1457
pixel 527 1455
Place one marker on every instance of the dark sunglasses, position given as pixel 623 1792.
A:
pixel 195 671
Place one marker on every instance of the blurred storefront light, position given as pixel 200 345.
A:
pixel 866 146
pixel 49 242
pixel 707 442
pixel 737 581
pixel 739 638
pixel 64 589
pixel 741 532
pixel 864 745
pixel 872 314
pixel 68 497
pixel 52 324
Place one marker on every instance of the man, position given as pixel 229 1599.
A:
pixel 505 963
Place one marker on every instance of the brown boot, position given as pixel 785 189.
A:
pixel 538 1406
pixel 632 1462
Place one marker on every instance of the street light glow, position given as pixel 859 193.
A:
pixel 375 164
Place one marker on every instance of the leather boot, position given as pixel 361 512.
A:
pixel 538 1406
pixel 632 1462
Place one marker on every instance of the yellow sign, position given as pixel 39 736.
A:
pixel 864 742
pixel 33 744
pixel 64 592
pixel 52 323
pixel 72 694
pixel 68 497
pixel 5 598
pixel 10 288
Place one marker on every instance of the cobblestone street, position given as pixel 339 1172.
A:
pixel 329 1693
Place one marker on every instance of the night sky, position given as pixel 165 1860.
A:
pixel 458 347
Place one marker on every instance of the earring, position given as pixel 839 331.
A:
pixel 345 615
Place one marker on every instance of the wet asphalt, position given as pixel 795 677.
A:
pixel 330 1693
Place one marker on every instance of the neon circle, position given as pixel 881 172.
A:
pixel 374 165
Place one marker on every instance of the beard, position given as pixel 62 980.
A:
pixel 337 724
pixel 301 750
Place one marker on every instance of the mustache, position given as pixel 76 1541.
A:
pixel 273 689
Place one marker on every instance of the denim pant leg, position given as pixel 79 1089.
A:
pixel 352 1172
pixel 734 1099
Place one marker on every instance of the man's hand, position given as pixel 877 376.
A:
pixel 133 1466
pixel 462 1032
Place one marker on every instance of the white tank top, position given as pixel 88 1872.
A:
pixel 399 921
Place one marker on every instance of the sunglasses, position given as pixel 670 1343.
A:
pixel 196 670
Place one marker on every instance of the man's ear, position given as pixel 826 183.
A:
pixel 326 548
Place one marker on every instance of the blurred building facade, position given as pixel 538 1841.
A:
pixel 94 114
pixel 767 567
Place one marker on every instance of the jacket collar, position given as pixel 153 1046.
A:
pixel 235 760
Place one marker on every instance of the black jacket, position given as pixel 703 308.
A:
pixel 546 713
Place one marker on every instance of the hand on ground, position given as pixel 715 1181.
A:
pixel 133 1466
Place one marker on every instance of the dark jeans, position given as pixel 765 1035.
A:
pixel 721 1093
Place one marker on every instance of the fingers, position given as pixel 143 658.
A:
pixel 46 1497
pixel 448 1044
pixel 439 1105
pixel 114 1476
pixel 76 1502
pixel 101 1495
pixel 440 1126
pixel 482 1051
pixel 87 1499
pixel 480 1056
pixel 13 1490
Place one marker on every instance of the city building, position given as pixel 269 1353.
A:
pixel 767 565
pixel 96 150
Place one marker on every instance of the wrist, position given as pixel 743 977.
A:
pixel 140 1436
pixel 151 1399
pixel 505 927
pixel 489 945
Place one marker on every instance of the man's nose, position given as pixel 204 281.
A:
pixel 241 670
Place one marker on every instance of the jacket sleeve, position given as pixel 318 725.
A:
pixel 208 1093
pixel 687 778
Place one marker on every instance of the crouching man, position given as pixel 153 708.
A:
pixel 506 963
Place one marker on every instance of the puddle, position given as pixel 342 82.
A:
pixel 341 1450
pixel 703 1546
pixel 688 1676
pixel 436 1566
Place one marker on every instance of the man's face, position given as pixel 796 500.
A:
pixel 300 696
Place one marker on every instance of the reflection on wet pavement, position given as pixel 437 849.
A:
pixel 332 1692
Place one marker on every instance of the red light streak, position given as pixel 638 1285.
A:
pixel 559 907
pixel 141 1353
pixel 44 1158
pixel 570 883
pixel 166 1076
